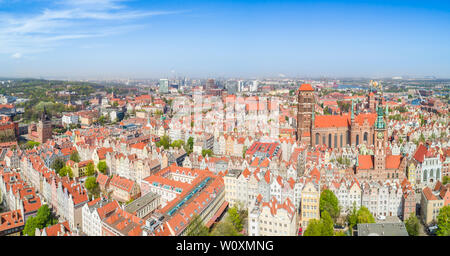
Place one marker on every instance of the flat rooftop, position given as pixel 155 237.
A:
pixel 382 229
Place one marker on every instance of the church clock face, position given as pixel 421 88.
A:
pixel 380 135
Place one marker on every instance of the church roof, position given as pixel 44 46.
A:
pixel 305 87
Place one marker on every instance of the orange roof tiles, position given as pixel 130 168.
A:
pixel 393 162
pixel 322 121
pixel 305 87
pixel 365 162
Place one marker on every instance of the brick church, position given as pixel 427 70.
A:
pixel 350 129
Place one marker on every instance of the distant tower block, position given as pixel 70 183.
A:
pixel 305 109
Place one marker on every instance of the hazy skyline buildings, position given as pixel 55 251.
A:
pixel 121 39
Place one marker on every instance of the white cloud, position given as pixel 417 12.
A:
pixel 16 55
pixel 67 20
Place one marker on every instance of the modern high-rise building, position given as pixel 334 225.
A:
pixel 240 85
pixel 254 86
pixel 163 86
pixel 232 87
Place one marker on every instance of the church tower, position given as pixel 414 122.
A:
pixel 380 143
pixel 305 109
pixel 44 128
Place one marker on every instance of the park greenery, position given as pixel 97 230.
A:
pixel 31 144
pixel 44 218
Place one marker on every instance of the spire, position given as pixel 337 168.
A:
pixel 387 110
pixel 44 116
pixel 353 112
pixel 379 123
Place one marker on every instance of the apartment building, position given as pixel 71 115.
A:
pixel 272 218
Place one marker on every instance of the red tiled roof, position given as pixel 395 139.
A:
pixel 420 153
pixel 55 229
pixel 11 219
pixel 121 183
pixel 365 162
pixel 305 87
pixel 322 121
pixel 393 162
pixel 371 118
pixel 429 194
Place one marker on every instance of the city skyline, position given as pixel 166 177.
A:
pixel 147 39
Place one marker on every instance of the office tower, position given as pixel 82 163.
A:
pixel 163 86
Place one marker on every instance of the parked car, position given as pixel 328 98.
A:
pixel 381 217
pixel 432 230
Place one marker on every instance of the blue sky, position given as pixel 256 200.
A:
pixel 152 39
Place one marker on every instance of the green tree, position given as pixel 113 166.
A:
pixel 164 141
pixel 92 186
pixel 90 169
pixel 75 156
pixel 189 145
pixel 30 226
pixel 102 167
pixel 31 144
pixel 352 218
pixel 412 225
pixel 44 218
pixel 66 171
pixel 443 221
pixel 177 144
pixel 235 218
pixel 445 180
pixel 314 228
pixel 364 215
pixel 196 227
pixel 327 228
pixel 57 164
pixel 225 228
pixel 206 152
pixel 102 120
pixel 340 233
pixel 329 203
